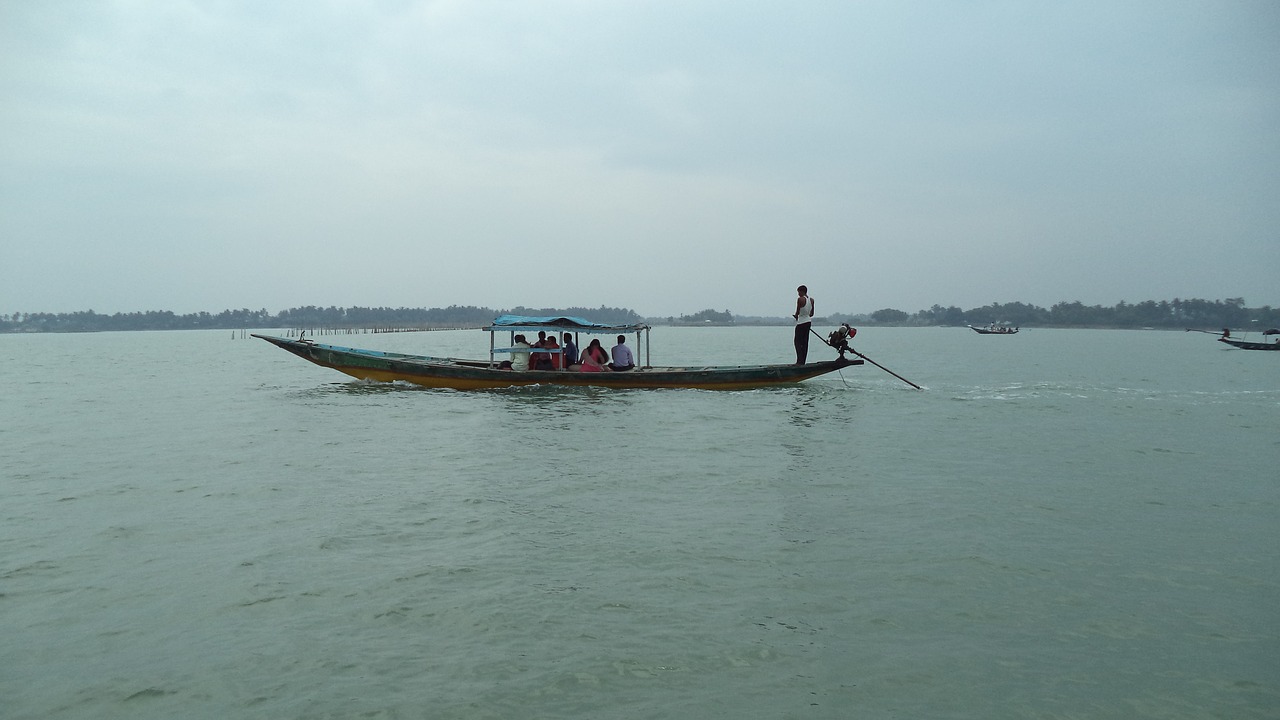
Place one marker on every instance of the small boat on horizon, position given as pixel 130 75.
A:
pixel 460 374
pixel 994 329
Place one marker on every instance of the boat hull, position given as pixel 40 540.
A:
pixel 1246 345
pixel 450 373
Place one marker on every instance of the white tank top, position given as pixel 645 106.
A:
pixel 806 315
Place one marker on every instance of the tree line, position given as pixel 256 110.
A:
pixel 1165 314
pixel 310 316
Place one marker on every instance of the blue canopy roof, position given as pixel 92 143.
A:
pixel 562 322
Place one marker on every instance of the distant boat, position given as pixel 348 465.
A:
pixel 1249 345
pixel 994 329
pixel 458 374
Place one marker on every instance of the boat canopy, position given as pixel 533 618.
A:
pixel 522 323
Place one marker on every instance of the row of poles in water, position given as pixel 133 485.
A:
pixel 312 332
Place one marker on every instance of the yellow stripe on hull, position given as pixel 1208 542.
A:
pixel 635 380
pixel 428 382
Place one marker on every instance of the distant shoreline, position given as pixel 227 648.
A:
pixel 1177 315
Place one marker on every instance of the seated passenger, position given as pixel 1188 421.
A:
pixel 552 359
pixel 520 358
pixel 594 358
pixel 540 361
pixel 622 357
pixel 570 351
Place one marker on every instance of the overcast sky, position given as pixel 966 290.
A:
pixel 666 156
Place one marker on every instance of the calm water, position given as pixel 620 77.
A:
pixel 1064 524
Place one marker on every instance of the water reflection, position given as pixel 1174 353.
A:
pixel 358 388
pixel 804 409
pixel 814 404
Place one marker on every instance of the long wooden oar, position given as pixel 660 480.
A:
pixel 873 362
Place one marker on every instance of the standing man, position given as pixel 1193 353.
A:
pixel 622 358
pixel 804 319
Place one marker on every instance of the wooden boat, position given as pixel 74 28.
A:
pixel 459 374
pixel 1250 345
pixel 994 330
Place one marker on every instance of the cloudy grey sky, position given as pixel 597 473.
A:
pixel 663 155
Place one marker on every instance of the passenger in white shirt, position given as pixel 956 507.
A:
pixel 520 358
pixel 622 357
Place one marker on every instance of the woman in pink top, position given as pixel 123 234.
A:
pixel 594 358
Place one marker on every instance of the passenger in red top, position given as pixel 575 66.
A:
pixel 553 358
pixel 540 361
